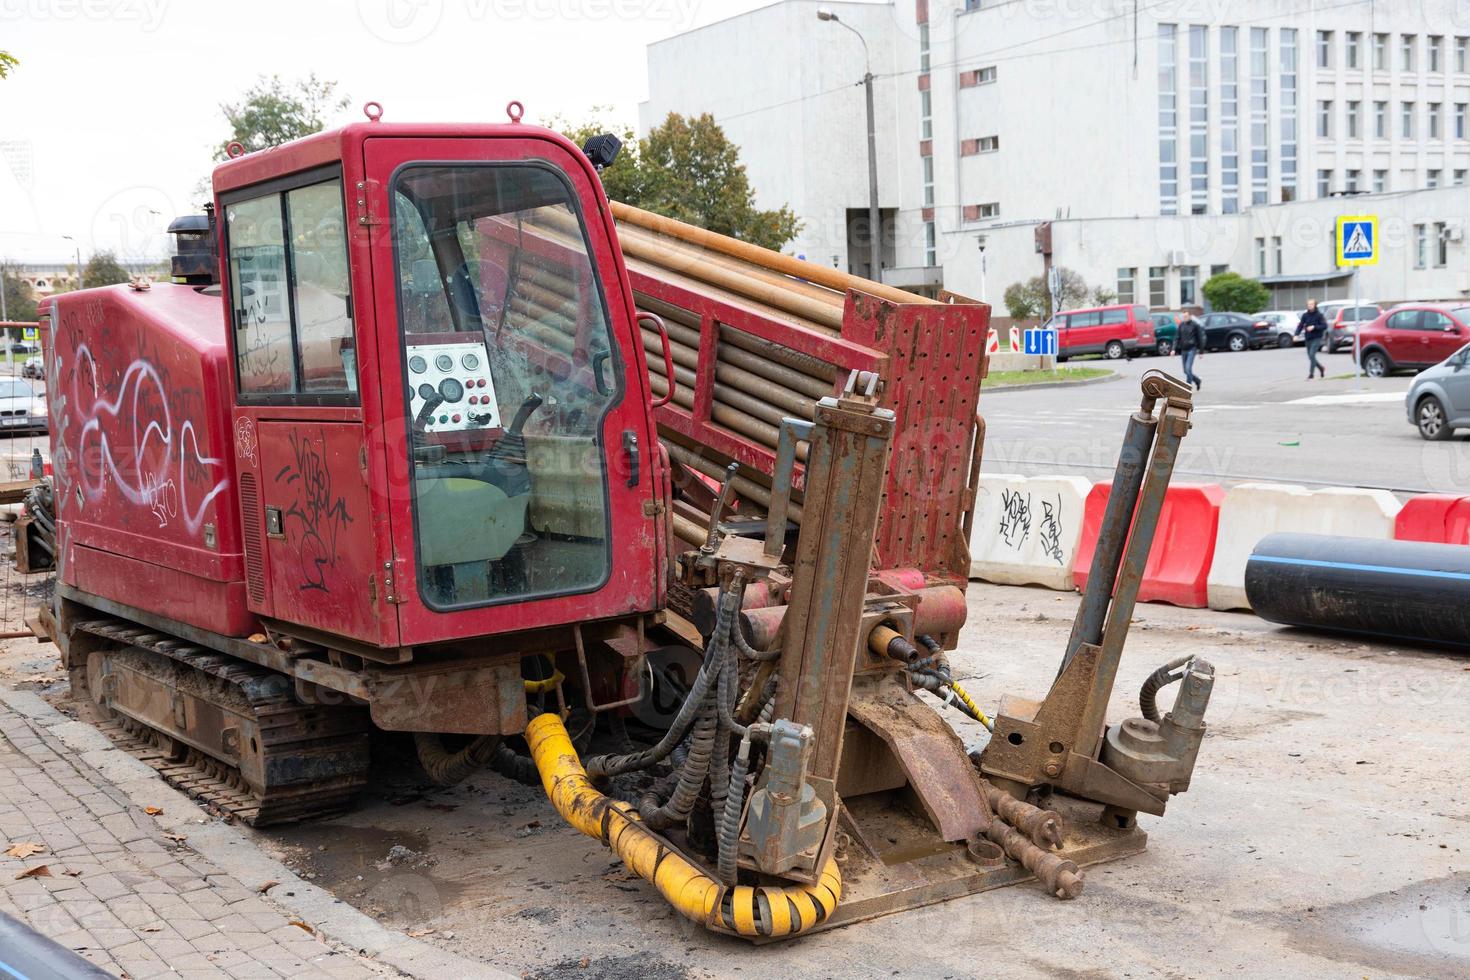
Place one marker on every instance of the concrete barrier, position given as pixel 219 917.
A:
pixel 1014 361
pixel 1438 517
pixel 1027 529
pixel 1184 544
pixel 1253 510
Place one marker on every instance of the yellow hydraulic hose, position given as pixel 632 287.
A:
pixel 757 913
pixel 964 696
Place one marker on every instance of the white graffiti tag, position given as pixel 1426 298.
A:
pixel 153 456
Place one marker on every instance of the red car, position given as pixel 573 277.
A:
pixel 1417 335
pixel 1112 331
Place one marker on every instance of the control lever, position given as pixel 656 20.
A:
pixel 727 490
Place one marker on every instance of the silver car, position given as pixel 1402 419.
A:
pixel 1438 401
pixel 21 410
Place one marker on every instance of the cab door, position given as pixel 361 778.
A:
pixel 311 534
pixel 516 422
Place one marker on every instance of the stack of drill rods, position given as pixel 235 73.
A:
pixel 1043 827
pixel 745 482
pixel 1060 876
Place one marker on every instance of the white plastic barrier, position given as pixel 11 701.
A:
pixel 1026 529
pixel 1253 510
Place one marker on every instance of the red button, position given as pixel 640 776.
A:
pixel 481 383
pixel 455 419
pixel 474 399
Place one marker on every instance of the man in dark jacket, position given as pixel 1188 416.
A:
pixel 1314 326
pixel 1191 342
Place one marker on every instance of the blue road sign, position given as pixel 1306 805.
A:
pixel 1039 340
pixel 1357 240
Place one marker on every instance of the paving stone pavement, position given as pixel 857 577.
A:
pixel 124 894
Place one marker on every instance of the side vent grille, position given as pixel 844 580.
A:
pixel 250 511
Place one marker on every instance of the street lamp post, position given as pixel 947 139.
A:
pixel 79 258
pixel 875 242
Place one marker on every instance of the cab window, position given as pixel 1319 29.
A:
pixel 291 296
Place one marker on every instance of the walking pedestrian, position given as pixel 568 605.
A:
pixel 1313 325
pixel 1191 342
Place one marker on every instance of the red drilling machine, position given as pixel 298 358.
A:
pixel 388 453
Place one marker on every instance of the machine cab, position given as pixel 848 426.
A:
pixel 442 425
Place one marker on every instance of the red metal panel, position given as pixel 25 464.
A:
pixel 321 563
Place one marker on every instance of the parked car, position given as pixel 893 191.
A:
pixel 1166 334
pixel 34 368
pixel 1284 322
pixel 1438 401
pixel 20 409
pixel 1415 335
pixel 1112 331
pixel 1235 331
pixel 1345 319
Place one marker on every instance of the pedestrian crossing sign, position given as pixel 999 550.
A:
pixel 1357 240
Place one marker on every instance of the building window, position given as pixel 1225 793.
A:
pixel 1324 49
pixel 1436 53
pixel 1460 127
pixel 1354 43
pixel 926 115
pixel 1421 246
pixel 984 76
pixel 1432 178
pixel 990 210
pixel 1288 113
pixel 931 245
pixel 1324 119
pixel 1354 110
pixel 1276 251
pixel 928 181
pixel 1459 177
pixel 1199 119
pixel 1218 270
pixel 924 47
pixel 1354 178
pixel 1462 54
pixel 1260 256
pixel 1324 183
pixel 1157 286
pixel 1380 181
pixel 1127 283
pixel 1434 120
pixel 989 144
pixel 1380 120
pixel 1406 52
pixel 1406 120
pixel 1168 119
pixel 1441 246
pixel 1380 52
pixel 1229 120
pixel 1188 285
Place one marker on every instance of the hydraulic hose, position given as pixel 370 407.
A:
pixel 730 821
pixel 1157 681
pixel 446 768
pixel 769 912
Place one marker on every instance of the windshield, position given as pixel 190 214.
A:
pixel 509 373
pixel 15 388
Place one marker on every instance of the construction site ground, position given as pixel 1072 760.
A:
pixel 1325 834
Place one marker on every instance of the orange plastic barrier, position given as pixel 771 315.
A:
pixel 1442 518
pixel 1184 545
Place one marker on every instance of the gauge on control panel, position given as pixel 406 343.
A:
pixel 471 362
pixel 417 364
pixel 427 391
pixel 443 376
pixel 451 389
pixel 444 362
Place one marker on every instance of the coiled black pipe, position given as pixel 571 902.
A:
pixel 1402 590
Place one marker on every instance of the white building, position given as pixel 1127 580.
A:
pixel 1151 144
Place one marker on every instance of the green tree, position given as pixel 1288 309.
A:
pixel 8 63
pixel 273 112
pixel 1230 291
pixel 20 302
pixel 103 269
pixel 1102 296
pixel 688 169
pixel 1034 297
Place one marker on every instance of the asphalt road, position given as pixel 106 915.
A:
pixel 1256 419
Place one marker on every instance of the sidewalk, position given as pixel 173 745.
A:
pixel 120 890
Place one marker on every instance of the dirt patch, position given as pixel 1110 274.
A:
pixel 638 966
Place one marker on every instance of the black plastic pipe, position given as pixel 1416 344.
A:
pixel 1403 590
pixel 28 955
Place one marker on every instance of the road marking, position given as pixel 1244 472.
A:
pixel 1351 399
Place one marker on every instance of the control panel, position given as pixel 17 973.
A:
pixel 455 379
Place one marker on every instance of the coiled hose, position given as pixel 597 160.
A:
pixel 1148 695
pixel 770 912
pixel 445 768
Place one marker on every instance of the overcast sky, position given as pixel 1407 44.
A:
pixel 107 126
